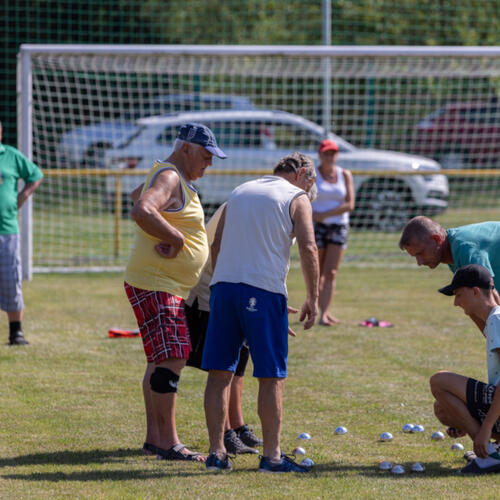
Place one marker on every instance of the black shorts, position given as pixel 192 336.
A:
pixel 197 322
pixel 479 399
pixel 330 234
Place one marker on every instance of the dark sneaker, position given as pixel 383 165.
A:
pixel 484 465
pixel 473 469
pixel 215 464
pixel 286 465
pixel 18 339
pixel 235 445
pixel 248 437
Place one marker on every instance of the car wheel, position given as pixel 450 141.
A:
pixel 383 205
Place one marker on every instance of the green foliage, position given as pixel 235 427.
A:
pixel 354 22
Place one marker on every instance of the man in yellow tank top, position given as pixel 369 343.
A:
pixel 168 254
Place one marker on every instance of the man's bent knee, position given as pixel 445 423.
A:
pixel 164 380
pixel 440 414
pixel 436 380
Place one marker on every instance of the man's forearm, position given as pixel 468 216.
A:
pixel 27 191
pixel 310 270
pixel 215 247
pixel 155 225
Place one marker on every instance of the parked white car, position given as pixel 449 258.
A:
pixel 256 140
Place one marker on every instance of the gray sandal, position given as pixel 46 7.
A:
pixel 174 453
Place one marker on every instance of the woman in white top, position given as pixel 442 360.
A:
pixel 331 209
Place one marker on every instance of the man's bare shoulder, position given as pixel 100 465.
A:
pixel 300 205
pixel 167 175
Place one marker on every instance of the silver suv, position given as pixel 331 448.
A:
pixel 255 140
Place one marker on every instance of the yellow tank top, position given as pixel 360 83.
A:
pixel 147 270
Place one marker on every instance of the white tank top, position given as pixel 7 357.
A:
pixel 331 195
pixel 257 236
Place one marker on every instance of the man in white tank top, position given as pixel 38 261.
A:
pixel 248 298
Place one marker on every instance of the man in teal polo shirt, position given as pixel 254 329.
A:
pixel 432 245
pixel 13 166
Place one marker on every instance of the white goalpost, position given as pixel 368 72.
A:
pixel 419 127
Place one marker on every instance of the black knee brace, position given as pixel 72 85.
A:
pixel 163 380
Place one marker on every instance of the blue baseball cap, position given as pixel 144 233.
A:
pixel 197 133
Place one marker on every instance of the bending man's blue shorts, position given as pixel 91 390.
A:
pixel 238 312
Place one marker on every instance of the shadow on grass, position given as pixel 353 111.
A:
pixel 117 456
pixel 115 475
pixel 71 457
pixel 432 469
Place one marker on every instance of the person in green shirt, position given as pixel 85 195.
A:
pixel 13 166
pixel 430 244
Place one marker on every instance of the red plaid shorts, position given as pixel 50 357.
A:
pixel 162 323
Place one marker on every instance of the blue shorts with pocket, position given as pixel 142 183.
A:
pixel 238 312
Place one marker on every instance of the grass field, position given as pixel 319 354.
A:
pixel 72 413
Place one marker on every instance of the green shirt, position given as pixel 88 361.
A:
pixel 476 244
pixel 13 166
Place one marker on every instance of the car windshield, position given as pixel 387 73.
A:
pixel 483 114
pixel 242 134
pixel 251 134
pixel 131 137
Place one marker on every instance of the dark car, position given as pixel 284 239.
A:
pixel 462 135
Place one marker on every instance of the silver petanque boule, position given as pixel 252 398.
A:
pixel 437 436
pixel 385 465
pixel 398 469
pixel 307 462
pixel 417 467
pixel 386 436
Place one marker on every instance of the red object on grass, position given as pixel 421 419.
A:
pixel 120 332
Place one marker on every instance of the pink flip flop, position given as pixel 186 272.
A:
pixel 374 322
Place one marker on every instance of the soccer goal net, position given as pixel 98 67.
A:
pixel 419 127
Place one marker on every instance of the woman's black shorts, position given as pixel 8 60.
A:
pixel 330 234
